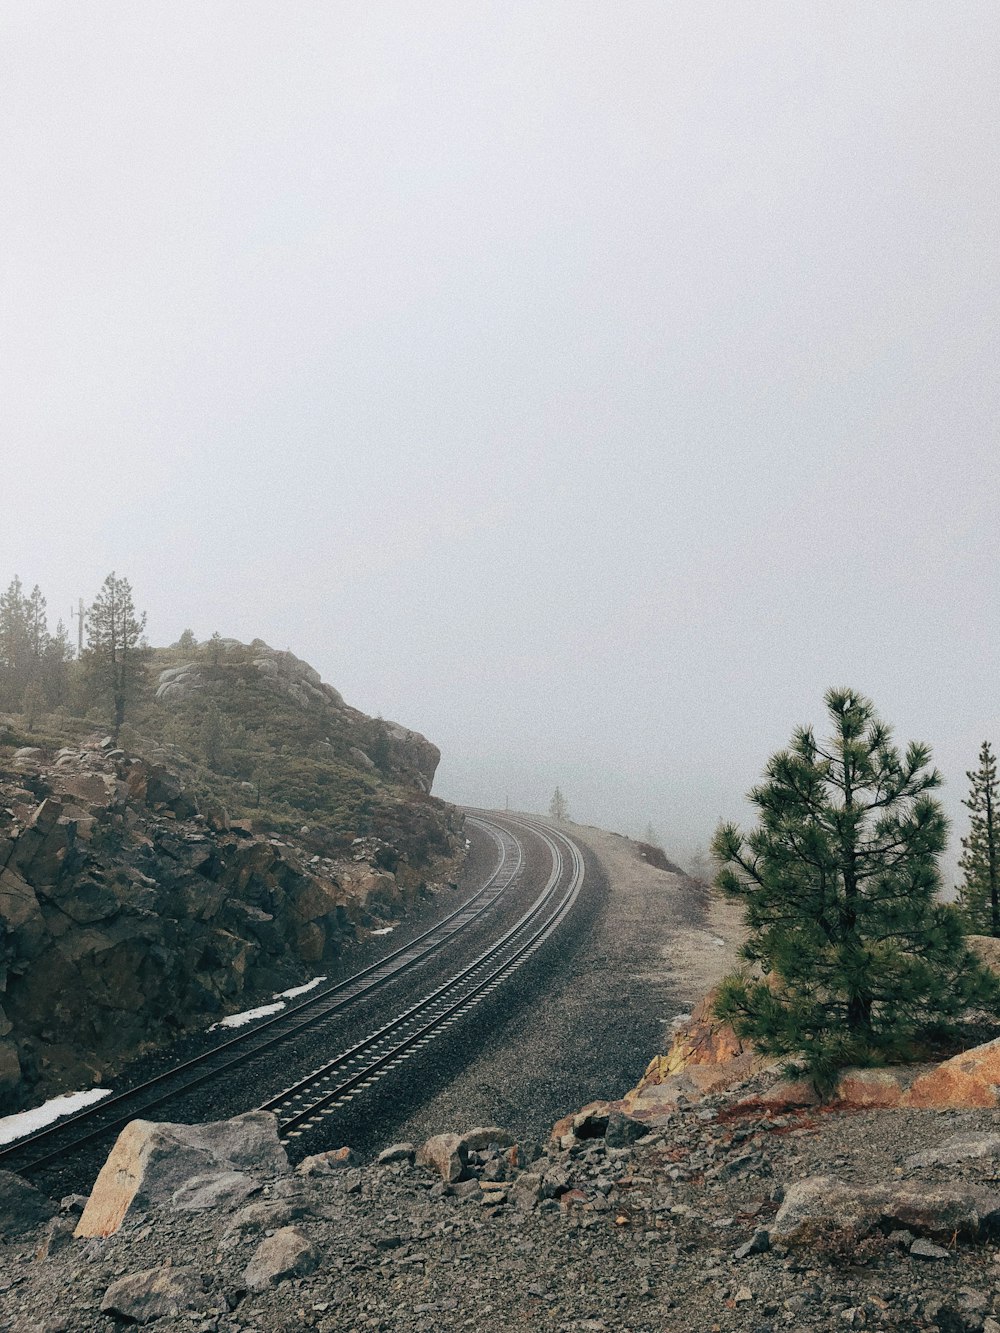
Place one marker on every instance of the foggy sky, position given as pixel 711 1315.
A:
pixel 586 385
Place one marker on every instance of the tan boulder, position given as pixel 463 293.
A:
pixel 151 1163
pixel 328 1163
pixel 877 1087
pixel 702 1040
pixel 705 1056
pixel 444 1153
pixel 968 1080
pixel 156 1293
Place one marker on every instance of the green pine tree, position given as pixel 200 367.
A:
pixel 558 808
pixel 853 955
pixel 116 650
pixel 214 738
pixel 979 894
pixel 15 644
pixel 32 704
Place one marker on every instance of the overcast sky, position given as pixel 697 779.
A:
pixel 586 385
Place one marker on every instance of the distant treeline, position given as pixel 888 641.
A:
pixel 39 670
pixel 34 662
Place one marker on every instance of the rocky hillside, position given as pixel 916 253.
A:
pixel 143 893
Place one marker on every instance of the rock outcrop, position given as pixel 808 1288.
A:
pixel 129 910
pixel 402 755
pixel 706 1057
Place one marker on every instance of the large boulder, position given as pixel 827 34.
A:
pixel 22 1207
pixel 446 1154
pixel 818 1206
pixel 288 1253
pixel 156 1293
pixel 154 1165
pixel 966 1080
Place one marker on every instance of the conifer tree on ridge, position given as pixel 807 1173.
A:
pixel 855 956
pixel 979 895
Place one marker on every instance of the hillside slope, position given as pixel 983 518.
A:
pixel 245 834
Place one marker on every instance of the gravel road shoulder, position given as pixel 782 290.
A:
pixel 585 1024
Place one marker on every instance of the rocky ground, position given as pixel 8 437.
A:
pixel 698 1225
pixel 703 1213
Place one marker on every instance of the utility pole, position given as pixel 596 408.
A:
pixel 79 628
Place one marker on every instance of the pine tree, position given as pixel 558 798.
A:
pixel 213 738
pixel 979 895
pixel 558 808
pixel 116 652
pixel 55 666
pixel 15 644
pixel 839 881
pixel 32 704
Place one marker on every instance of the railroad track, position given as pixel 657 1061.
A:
pixel 322 1008
pixel 305 1104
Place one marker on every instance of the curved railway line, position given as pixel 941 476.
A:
pixel 306 1103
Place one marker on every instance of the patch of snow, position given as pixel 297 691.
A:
pixel 719 943
pixel 299 990
pixel 266 1010
pixel 248 1016
pixel 26 1122
pixel 386 930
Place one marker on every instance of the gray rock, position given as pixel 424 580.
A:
pixel 218 1189
pixel 555 1181
pixel 526 1190
pixel 288 1253
pixel 157 1293
pixel 926 1249
pixel 814 1207
pixel 58 1235
pixel 758 1243
pixel 396 1152
pixel 623 1130
pixel 267 1215
pixel 22 1207
pixel 958 1148
pixel 485 1136
pixel 328 1163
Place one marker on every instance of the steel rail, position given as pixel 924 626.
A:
pixel 278 1029
pixel 335 1083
